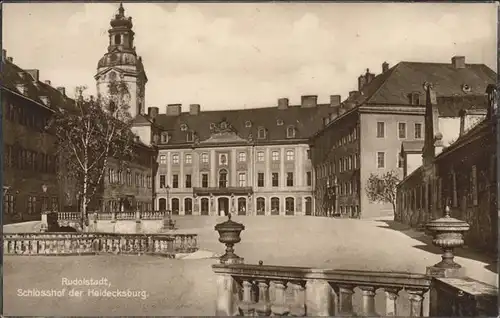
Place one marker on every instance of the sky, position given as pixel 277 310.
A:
pixel 230 56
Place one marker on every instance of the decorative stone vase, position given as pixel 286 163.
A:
pixel 229 234
pixel 448 235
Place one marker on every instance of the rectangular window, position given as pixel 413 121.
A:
pixel 136 179
pixel 188 181
pixel 418 131
pixel 242 157
pixel 289 179
pixel 175 159
pixel 242 179
pixel 349 165
pixel 204 157
pixel 204 180
pixel 260 156
pixel 309 178
pixel 380 129
pixel 290 155
pixel 260 179
pixel 341 165
pixel 402 130
pixel 163 160
pixel 276 156
pixel 188 159
pixel 275 179
pixel 175 181
pixel 380 159
pixel 308 154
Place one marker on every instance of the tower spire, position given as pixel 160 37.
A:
pixel 121 10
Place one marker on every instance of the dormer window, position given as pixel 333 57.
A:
pixel 45 100
pixel 165 138
pixel 184 127
pixel 261 134
pixel 279 122
pixel 290 132
pixel 248 124
pixel 223 125
pixel 189 136
pixel 22 88
pixel 466 88
pixel 414 98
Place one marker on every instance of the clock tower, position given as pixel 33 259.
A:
pixel 122 64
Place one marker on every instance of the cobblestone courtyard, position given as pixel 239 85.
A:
pixel 186 287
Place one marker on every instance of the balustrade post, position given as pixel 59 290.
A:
pixel 391 301
pixel 344 300
pixel 113 216
pixel 319 298
pixel 225 304
pixel 279 306
pixel 263 306
pixel 246 305
pixel 298 308
pixel 416 298
pixel 368 301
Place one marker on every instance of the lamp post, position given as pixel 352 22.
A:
pixel 167 218
pixel 44 189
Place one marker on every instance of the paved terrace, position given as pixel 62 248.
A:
pixel 187 287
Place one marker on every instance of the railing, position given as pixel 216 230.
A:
pixel 129 215
pixel 95 243
pixel 69 216
pixel 300 291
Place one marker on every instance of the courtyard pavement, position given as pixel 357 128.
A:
pixel 187 286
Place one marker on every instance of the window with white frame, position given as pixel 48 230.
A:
pixel 204 157
pixel 290 155
pixel 380 159
pixel 175 158
pixel 290 132
pixel 349 164
pixel 275 155
pixel 260 156
pixel 418 131
pixel 188 158
pixel 242 156
pixel 401 130
pixel 242 179
pixel 163 159
pixel 261 133
pixel 380 129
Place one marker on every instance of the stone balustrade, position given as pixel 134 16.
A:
pixel 128 215
pixel 264 290
pixel 69 216
pixel 96 243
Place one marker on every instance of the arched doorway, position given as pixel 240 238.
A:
pixel 162 204
pixel 261 206
pixel 308 206
pixel 275 206
pixel 289 206
pixel 175 206
pixel 188 206
pixel 242 206
pixel 223 178
pixel 204 206
pixel 223 205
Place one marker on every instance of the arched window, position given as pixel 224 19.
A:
pixel 308 206
pixel 204 206
pixel 289 206
pixel 261 134
pixel 275 206
pixel 118 39
pixel 290 132
pixel 261 206
pixel 188 206
pixel 242 206
pixel 223 178
pixel 175 206
pixel 162 203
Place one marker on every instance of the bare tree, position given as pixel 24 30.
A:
pixel 382 188
pixel 91 134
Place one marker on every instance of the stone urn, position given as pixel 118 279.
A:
pixel 448 235
pixel 229 234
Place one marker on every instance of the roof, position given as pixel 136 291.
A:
pixel 412 146
pixel 450 106
pixel 305 120
pixel 393 86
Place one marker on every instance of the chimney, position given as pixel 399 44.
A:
pixel 22 88
pixel 283 103
pixel 368 77
pixel 4 55
pixel 48 82
pixel 458 61
pixel 361 82
pixel 61 90
pixel 174 109
pixel 492 111
pixel 385 67
pixel 34 73
pixel 463 115
pixel 153 112
pixel 45 100
pixel 10 59
pixel 194 109
pixel 334 100
pixel 308 101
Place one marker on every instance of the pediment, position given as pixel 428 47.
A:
pixel 115 69
pixel 223 132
